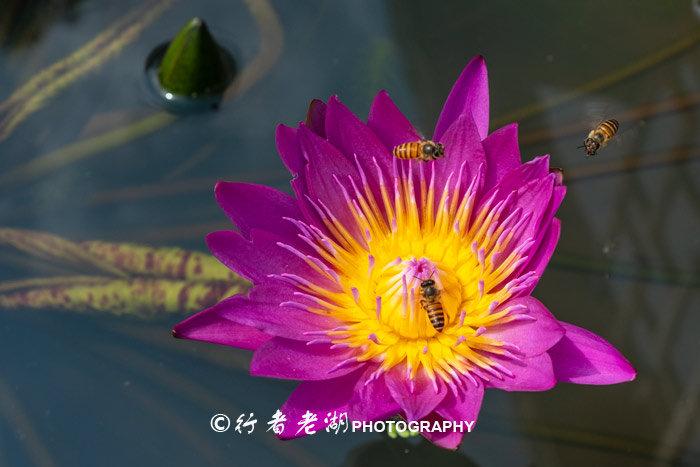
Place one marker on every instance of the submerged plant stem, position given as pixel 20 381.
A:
pixel 617 76
pixel 33 101
pixel 85 148
pixel 44 77
pixel 15 416
pixel 608 167
pixel 141 297
pixel 633 272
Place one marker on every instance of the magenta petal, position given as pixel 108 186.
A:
pixel 389 124
pixel 289 149
pixel 372 400
pixel 209 326
pixel 462 146
pixel 528 374
pixel 319 398
pixel 502 153
pixel 469 95
pixel 291 359
pixel 262 259
pixel 274 319
pixel 531 337
pixel 417 398
pixel 228 246
pixel 558 194
pixel 582 357
pixel 462 405
pixel 536 169
pixel 540 257
pixel 353 137
pixel 448 440
pixel 252 206
pixel 327 172
pixel 534 199
pixel 316 117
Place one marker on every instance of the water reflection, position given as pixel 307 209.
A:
pixel 405 453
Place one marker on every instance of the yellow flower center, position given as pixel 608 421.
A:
pixel 402 236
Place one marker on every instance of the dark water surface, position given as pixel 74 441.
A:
pixel 101 389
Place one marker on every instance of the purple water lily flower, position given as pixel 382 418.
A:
pixel 337 269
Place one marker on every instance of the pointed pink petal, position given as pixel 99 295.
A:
pixel 502 153
pixel 534 200
pixel 239 255
pixel 539 259
pixel 316 117
pixel 532 337
pixel 469 95
pixel 464 406
pixel 448 440
pixel 389 124
pixel 462 144
pixel 582 357
pixel 319 398
pixel 417 401
pixel 291 359
pixel 326 163
pixel 352 136
pixel 535 169
pixel 356 140
pixel 208 326
pixel 256 260
pixel 373 400
pixel 251 206
pixel 274 319
pixel 530 374
pixel 289 149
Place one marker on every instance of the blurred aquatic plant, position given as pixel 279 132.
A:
pixel 118 278
pixel 34 94
pixel 23 22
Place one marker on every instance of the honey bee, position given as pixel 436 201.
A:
pixel 430 301
pixel 424 150
pixel 600 136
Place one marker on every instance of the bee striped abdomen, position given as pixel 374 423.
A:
pixel 609 128
pixel 407 151
pixel 435 314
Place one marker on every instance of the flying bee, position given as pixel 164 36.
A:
pixel 600 136
pixel 430 301
pixel 424 150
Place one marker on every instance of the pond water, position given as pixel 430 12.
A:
pixel 86 155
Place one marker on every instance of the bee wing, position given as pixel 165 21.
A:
pixel 629 131
pixel 596 111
